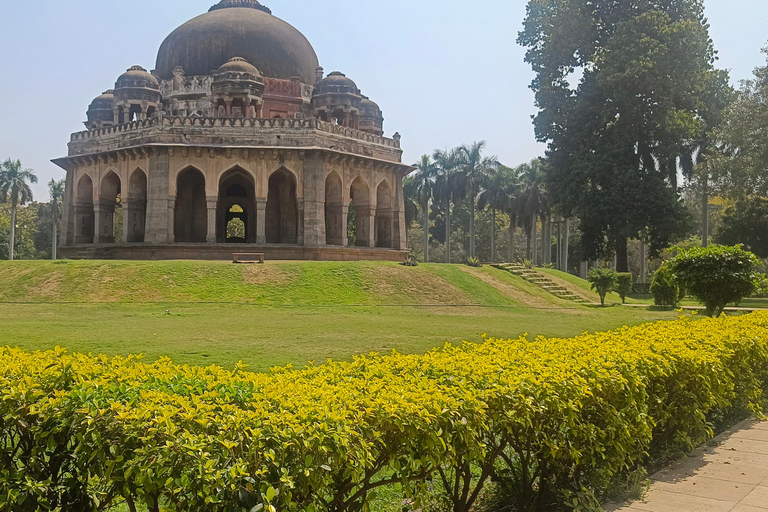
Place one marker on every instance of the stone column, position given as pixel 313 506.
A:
pixel 171 219
pixel 129 209
pixel 314 229
pixel 104 223
pixel 399 232
pixel 261 220
pixel 211 236
pixel 300 223
pixel 365 216
pixel 67 211
pixel 157 198
pixel 345 225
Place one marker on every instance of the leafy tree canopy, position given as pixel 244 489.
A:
pixel 644 86
pixel 746 223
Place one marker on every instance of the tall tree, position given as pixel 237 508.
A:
pixel 499 192
pixel 644 70
pixel 56 190
pixel 14 184
pixel 533 200
pixel 740 169
pixel 424 181
pixel 447 184
pixel 474 167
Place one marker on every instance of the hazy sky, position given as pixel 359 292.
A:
pixel 444 72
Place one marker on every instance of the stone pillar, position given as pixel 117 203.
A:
pixel 300 222
pixel 345 225
pixel 211 236
pixel 67 213
pixel 365 216
pixel 129 209
pixel 104 223
pixel 399 231
pixel 314 229
pixel 261 220
pixel 157 198
pixel 171 219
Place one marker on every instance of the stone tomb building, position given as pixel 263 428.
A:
pixel 237 137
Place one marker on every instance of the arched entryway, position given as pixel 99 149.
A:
pixel 282 217
pixel 384 215
pixel 109 217
pixel 236 206
pixel 363 214
pixel 191 221
pixel 335 223
pixel 135 208
pixel 84 214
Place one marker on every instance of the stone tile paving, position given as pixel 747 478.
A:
pixel 728 474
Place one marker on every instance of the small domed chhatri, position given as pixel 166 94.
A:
pixel 236 131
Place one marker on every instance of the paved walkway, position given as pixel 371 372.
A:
pixel 728 474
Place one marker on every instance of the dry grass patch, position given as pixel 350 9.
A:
pixel 514 293
pixel 259 275
pixel 414 286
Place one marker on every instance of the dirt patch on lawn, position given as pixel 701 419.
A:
pixel 259 275
pixel 407 285
pixel 509 290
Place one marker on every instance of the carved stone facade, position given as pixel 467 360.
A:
pixel 186 166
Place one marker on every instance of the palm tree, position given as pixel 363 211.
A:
pixel 533 201
pixel 447 182
pixel 56 189
pixel 424 183
pixel 13 183
pixel 473 168
pixel 499 193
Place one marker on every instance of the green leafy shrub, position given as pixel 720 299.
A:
pixel 665 289
pixel 474 262
pixel 717 275
pixel 624 283
pixel 603 281
pixel 89 433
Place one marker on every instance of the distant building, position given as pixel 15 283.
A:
pixel 236 137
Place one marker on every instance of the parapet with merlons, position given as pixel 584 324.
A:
pixel 238 132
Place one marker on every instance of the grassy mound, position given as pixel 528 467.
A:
pixel 278 284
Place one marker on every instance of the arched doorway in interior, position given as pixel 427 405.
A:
pixel 84 214
pixel 335 226
pixel 282 220
pixel 191 219
pixel 109 210
pixel 135 208
pixel 362 230
pixel 236 205
pixel 384 215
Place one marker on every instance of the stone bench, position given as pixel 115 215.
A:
pixel 248 257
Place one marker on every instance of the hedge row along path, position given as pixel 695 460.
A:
pixel 728 474
pixel 559 423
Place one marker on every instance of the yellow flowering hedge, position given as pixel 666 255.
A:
pixel 558 420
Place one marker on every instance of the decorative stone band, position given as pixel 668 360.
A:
pixel 215 122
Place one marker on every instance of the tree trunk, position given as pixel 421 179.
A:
pixel 512 227
pixel 534 237
pixel 472 222
pixel 565 244
pixel 622 256
pixel 493 235
pixel 426 228
pixel 705 213
pixel 643 263
pixel 55 229
pixel 448 231
pixel 12 241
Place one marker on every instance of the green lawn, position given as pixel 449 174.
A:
pixel 204 313
pixel 264 336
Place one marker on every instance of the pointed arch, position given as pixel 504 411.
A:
pixel 237 187
pixel 109 214
pixel 335 224
pixel 191 219
pixel 384 215
pixel 84 212
pixel 135 208
pixel 282 215
pixel 361 230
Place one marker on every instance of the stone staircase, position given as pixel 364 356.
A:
pixel 541 280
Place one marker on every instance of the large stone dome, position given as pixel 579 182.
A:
pixel 238 28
